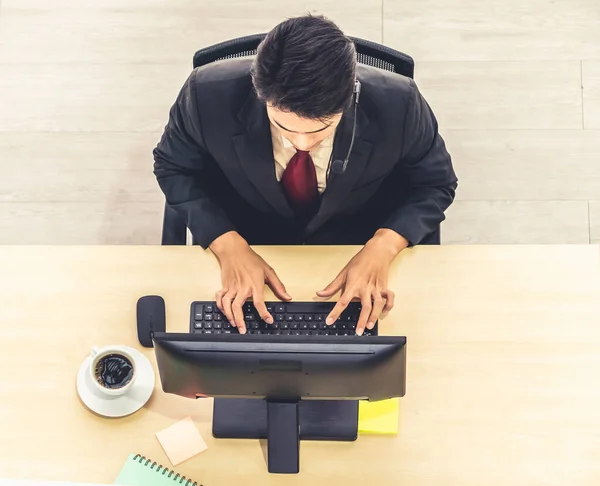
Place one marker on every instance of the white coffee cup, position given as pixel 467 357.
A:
pixel 100 353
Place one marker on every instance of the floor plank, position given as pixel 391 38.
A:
pixel 108 223
pixel 77 167
pixel 88 97
pixel 157 31
pixel 591 94
pixel 503 95
pixel 516 222
pixel 497 30
pixel 526 165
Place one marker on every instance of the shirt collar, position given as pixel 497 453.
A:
pixel 285 141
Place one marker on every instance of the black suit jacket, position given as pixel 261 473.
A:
pixel 215 164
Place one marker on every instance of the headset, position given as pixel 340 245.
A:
pixel 339 166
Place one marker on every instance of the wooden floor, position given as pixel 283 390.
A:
pixel 86 85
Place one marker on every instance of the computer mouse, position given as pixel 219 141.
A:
pixel 151 318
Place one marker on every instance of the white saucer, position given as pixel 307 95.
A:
pixel 120 406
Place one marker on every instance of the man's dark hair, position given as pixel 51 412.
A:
pixel 306 66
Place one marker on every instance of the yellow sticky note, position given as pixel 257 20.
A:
pixel 181 441
pixel 379 417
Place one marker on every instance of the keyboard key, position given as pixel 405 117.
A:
pixel 310 307
pixel 254 325
pixel 198 312
pixel 279 317
pixel 313 326
pixel 270 308
pixel 308 318
pixel 293 325
pixel 249 317
pixel 322 325
pixel 217 331
pixel 208 308
pixel 208 317
pixel 217 325
pixel 226 331
pixel 198 325
pixel 280 308
pixel 284 325
pixel 207 332
pixel 208 325
pixel 304 333
pixel 320 318
pixel 299 317
pixel 226 325
pixel 303 325
pixel 289 317
pixel 217 316
pixel 275 325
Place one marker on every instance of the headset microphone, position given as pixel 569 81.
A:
pixel 339 166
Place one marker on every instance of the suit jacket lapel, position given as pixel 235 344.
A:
pixel 339 185
pixel 254 149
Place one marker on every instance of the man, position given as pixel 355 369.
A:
pixel 247 157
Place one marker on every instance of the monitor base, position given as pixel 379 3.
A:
pixel 284 423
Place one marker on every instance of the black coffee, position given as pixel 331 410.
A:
pixel 114 371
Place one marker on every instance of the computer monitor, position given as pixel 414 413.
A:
pixel 283 388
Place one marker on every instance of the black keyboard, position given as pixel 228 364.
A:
pixel 291 318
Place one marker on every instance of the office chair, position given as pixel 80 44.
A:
pixel 370 53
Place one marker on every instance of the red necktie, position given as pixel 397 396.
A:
pixel 300 181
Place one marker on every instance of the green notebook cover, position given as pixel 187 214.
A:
pixel 138 470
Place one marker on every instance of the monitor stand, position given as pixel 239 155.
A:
pixel 283 423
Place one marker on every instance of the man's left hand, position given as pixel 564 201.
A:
pixel 365 278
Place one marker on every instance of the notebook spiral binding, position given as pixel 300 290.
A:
pixel 178 478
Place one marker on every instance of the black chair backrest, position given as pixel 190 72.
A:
pixel 369 53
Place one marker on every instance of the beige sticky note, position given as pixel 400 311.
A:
pixel 181 441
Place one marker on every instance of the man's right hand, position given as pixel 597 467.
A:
pixel 243 276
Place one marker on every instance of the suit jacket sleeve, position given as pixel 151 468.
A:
pixel 180 159
pixel 427 167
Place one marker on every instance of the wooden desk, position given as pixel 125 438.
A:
pixel 503 365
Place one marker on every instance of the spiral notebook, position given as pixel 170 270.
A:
pixel 141 471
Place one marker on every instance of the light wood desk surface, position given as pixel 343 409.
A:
pixel 503 365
